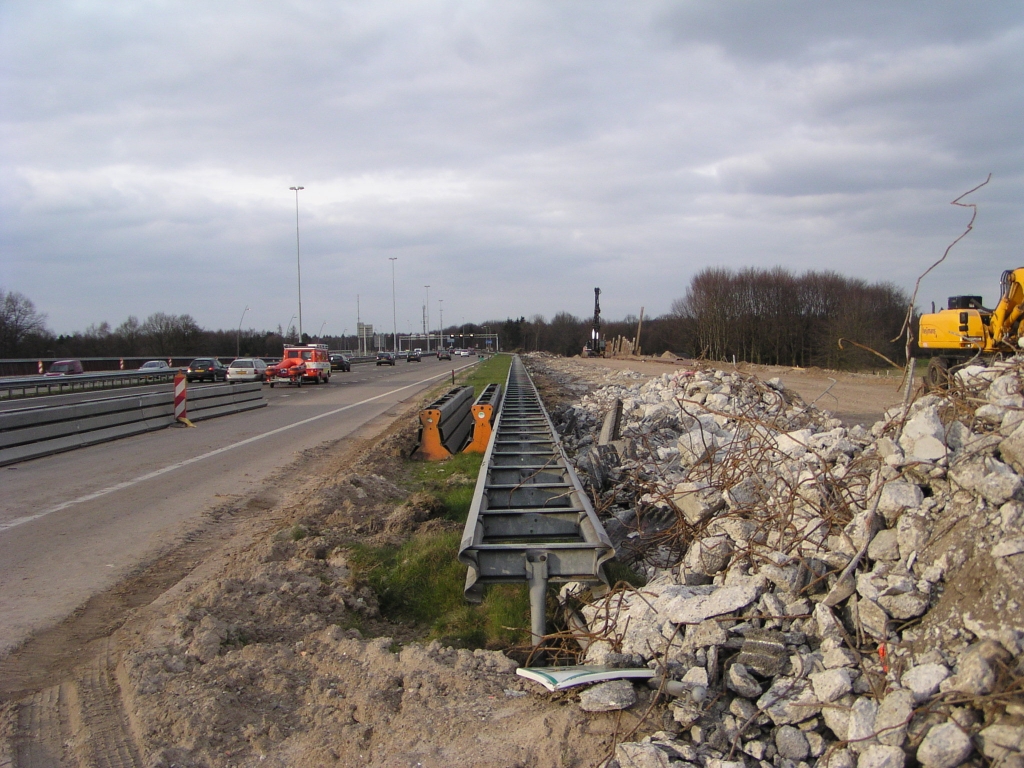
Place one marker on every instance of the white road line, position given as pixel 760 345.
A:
pixel 178 465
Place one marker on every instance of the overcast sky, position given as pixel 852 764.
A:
pixel 512 155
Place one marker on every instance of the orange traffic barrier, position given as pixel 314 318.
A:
pixel 483 411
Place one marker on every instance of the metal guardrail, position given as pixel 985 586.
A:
pixel 530 519
pixel 445 425
pixel 30 386
pixel 41 430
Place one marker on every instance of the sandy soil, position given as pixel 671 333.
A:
pixel 254 645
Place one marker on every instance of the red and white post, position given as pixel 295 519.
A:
pixel 180 391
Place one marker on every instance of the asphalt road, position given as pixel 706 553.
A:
pixel 74 524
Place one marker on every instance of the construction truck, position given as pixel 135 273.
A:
pixel 966 330
pixel 310 362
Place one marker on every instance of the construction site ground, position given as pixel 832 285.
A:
pixel 251 644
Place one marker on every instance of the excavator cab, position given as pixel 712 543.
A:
pixel 966 329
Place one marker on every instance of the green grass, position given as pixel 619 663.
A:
pixel 421 582
pixel 491 371
pixel 434 477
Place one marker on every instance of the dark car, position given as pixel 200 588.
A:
pixel 340 363
pixel 385 358
pixel 444 354
pixel 414 357
pixel 65 368
pixel 206 368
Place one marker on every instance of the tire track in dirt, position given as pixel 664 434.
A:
pixel 79 723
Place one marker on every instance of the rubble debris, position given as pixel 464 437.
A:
pixel 846 596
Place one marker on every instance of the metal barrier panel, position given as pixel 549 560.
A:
pixel 530 519
pixel 40 430
pixel 445 425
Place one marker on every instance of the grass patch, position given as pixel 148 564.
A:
pixel 616 572
pixel 421 582
pixel 494 370
pixel 451 481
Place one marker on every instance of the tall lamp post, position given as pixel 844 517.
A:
pixel 284 335
pixel 298 260
pixel 428 318
pixel 440 336
pixel 319 334
pixel 394 313
pixel 238 336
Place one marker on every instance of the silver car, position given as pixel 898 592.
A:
pixel 247 369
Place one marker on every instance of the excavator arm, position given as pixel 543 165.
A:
pixel 1007 314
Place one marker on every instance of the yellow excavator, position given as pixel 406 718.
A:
pixel 966 330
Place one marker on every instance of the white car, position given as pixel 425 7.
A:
pixel 155 365
pixel 247 369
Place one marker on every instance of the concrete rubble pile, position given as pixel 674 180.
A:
pixel 816 594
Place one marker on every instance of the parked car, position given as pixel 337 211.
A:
pixel 340 363
pixel 155 365
pixel 247 369
pixel 65 368
pixel 206 368
pixel 414 357
pixel 385 358
pixel 444 354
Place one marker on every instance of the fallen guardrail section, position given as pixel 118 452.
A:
pixel 530 519
pixel 41 430
pixel 445 425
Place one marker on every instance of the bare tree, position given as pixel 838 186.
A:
pixel 19 320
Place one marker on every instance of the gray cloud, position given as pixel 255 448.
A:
pixel 513 156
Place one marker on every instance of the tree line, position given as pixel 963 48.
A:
pixel 767 316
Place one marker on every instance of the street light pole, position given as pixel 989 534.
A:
pixel 319 334
pixel 284 335
pixel 298 260
pixel 440 342
pixel 428 318
pixel 238 336
pixel 394 312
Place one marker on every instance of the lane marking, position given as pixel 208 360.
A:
pixel 209 455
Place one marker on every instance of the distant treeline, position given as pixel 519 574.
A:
pixel 772 317
pixel 757 315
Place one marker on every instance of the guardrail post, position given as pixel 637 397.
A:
pixel 537 578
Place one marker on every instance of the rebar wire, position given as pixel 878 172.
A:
pixel 908 319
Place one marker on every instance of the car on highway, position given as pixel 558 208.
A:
pixel 65 368
pixel 203 368
pixel 444 354
pixel 464 353
pixel 155 365
pixel 340 363
pixel 247 369
pixel 414 357
pixel 385 358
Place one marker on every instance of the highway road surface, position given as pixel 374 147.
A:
pixel 74 524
